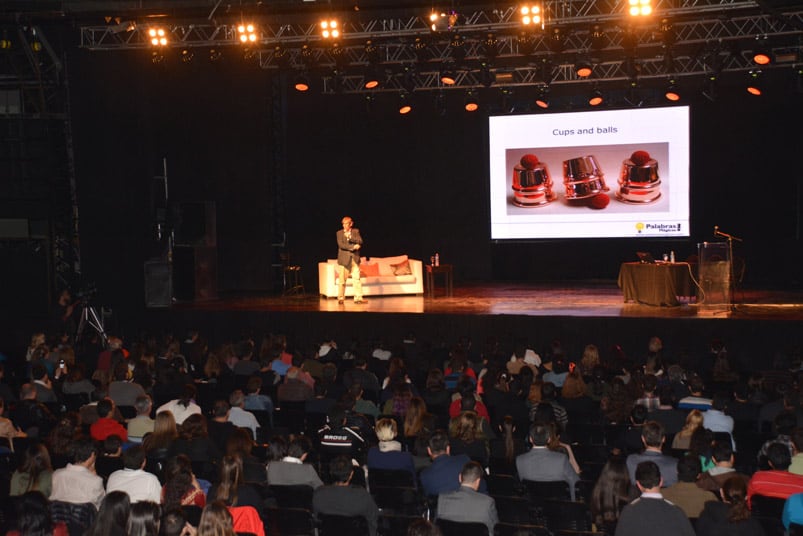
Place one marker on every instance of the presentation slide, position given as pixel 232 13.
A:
pixel 599 174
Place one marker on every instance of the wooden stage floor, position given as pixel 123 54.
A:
pixel 566 299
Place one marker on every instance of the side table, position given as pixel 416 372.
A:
pixel 446 270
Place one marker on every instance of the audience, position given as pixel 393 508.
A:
pixel 604 387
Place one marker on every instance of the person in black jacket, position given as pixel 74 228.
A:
pixel 731 516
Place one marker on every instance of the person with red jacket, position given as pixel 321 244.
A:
pixel 106 425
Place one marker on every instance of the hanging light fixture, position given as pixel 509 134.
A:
pixel 542 99
pixel 671 93
pixel 754 85
pixel 596 98
pixel 405 107
pixel 472 103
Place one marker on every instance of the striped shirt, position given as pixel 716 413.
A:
pixel 778 484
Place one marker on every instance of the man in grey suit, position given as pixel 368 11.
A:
pixel 349 243
pixel 543 465
pixel 467 504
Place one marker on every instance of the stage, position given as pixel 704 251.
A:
pixel 761 323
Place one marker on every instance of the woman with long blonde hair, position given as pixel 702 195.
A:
pixel 165 431
pixel 467 437
pixel 694 420
pixel 216 520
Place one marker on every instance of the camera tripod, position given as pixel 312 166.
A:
pixel 89 317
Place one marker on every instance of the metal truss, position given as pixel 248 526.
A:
pixel 685 38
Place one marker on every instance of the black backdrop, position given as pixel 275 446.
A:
pixel 415 184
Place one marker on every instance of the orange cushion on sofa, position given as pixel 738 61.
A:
pixel 369 269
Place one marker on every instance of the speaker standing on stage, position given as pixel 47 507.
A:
pixel 349 243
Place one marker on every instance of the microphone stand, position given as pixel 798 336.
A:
pixel 730 238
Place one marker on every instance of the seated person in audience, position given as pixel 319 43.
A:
pixel 653 437
pixel 685 493
pixel 361 405
pixel 715 418
pixel 682 439
pixel 78 483
pixel 175 523
pixel 796 466
pixel 610 494
pixel 106 425
pixel 194 441
pixel 731 516
pixel 142 424
pixel 232 488
pixel 630 439
pixel 793 511
pixel 293 389
pixel 342 499
pixel 388 453
pixel 183 406
pixel 649 398
pixel 219 426
pixel 35 473
pixel 336 438
pixel 722 456
pixel 240 444
pixel 778 481
pixel 672 419
pixel 442 474
pixel 291 468
pixel 238 416
pixel 124 391
pixel 134 480
pixel 469 400
pixel 181 487
pixel 111 457
pixel 7 428
pixel 549 397
pixel 696 398
pixel 255 400
pixel 466 437
pixel 467 505
pixel 541 464
pixel 44 386
pixel 744 412
pixel 30 415
pixel 359 374
pixel 784 424
pixel 33 517
pixel 651 513
pixel 321 402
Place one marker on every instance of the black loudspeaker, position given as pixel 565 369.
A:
pixel 195 273
pixel 158 284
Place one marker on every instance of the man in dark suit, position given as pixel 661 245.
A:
pixel 467 504
pixel 343 499
pixel 349 243
pixel 543 465
pixel 444 473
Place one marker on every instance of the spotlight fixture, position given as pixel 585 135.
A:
pixel 301 83
pixel 215 54
pixel 443 21
pixel 639 8
pixel 187 55
pixel 409 77
pixel 448 77
pixel 372 78
pixel 404 103
pixel 761 55
pixel 330 29
pixel 420 47
pixel 247 33
pixel 158 36
pixel 490 46
pixel 530 14
pixel 5 42
pixel 472 103
pixel 157 57
pixel 583 68
pixel 526 42
pixel 36 44
pixel 598 37
pixel 596 98
pixel 671 93
pixel 542 99
pixel 557 40
pixel 754 86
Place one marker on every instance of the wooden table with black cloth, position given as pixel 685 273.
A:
pixel 655 283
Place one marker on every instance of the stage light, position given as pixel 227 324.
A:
pixel 5 42
pixel 542 99
pixel 187 55
pixel 158 36
pixel 526 42
pixel 448 77
pixel 471 103
pixel 761 55
pixel 247 33
pixel 557 40
pixel 640 8
pixel 301 83
pixel 443 21
pixel 330 29
pixel 404 103
pixel 372 78
pixel 420 47
pixel 530 14
pixel 215 54
pixel 596 98
pixel 157 57
pixel 754 85
pixel 598 37
pixel 672 93
pixel 583 68
pixel 490 46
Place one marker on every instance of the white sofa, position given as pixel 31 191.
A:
pixel 382 276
